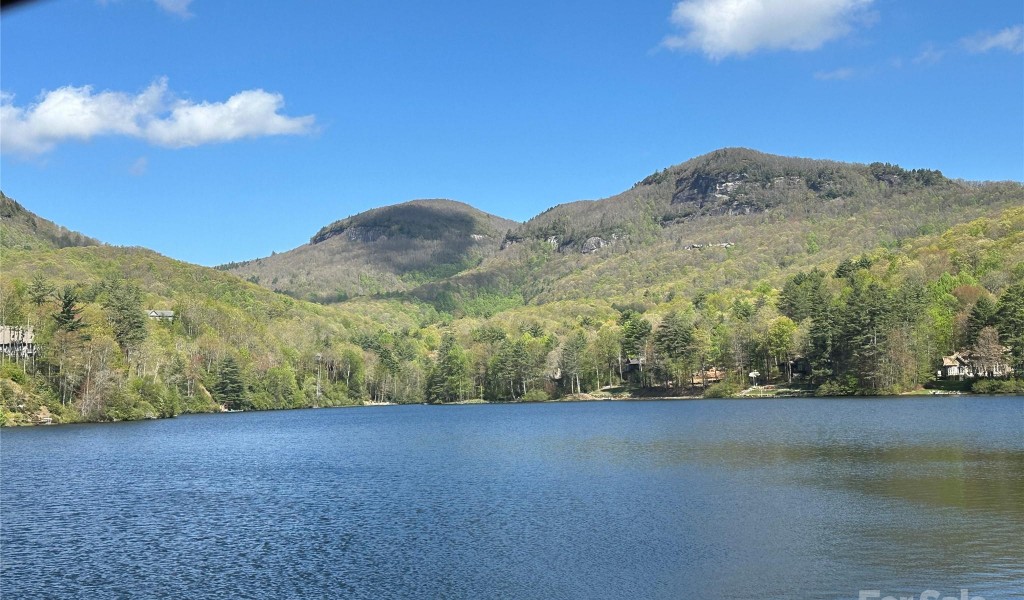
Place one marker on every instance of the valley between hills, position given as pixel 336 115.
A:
pixel 822 277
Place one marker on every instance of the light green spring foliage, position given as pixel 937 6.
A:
pixel 889 289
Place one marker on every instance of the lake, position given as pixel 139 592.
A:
pixel 714 499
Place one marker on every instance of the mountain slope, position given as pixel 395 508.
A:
pixel 20 228
pixel 386 249
pixel 730 218
pixel 736 260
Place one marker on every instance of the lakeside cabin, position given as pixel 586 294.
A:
pixel 965 365
pixel 955 366
pixel 712 375
pixel 17 342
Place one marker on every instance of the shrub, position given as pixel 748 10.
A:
pixel 536 396
pixel 998 386
pixel 724 389
pixel 838 387
pixel 14 373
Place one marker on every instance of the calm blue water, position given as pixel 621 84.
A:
pixel 701 499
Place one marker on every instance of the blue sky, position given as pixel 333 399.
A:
pixel 219 131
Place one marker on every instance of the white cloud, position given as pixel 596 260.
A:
pixel 139 167
pixel 720 28
pixel 76 113
pixel 177 7
pixel 1010 39
pixel 252 113
pixel 929 55
pixel 835 75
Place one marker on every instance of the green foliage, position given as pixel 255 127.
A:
pixel 24 230
pixel 448 380
pixel 803 294
pixel 229 389
pixel 277 388
pixel 674 337
pixel 908 267
pixel 123 303
pixel 982 315
pixel 724 389
pixel 536 395
pixel 837 387
pixel 1009 319
pixel 14 373
pixel 572 360
pixel 635 332
pixel 998 386
pixel 68 316
pixel 40 290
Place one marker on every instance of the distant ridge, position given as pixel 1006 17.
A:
pixel 442 251
pixel 21 228
pixel 383 250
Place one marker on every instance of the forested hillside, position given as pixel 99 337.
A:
pixel 20 228
pixel 388 249
pixel 729 219
pixel 820 276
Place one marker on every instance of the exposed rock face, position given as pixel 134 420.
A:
pixel 702 246
pixel 365 234
pixel 702 189
pixel 593 244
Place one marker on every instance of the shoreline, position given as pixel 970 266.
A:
pixel 915 394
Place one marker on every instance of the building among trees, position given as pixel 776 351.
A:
pixel 17 342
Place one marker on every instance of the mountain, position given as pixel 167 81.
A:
pixel 727 219
pixel 20 228
pixel 388 249
pixel 852 279
pixel 727 182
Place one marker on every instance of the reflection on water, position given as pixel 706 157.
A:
pixel 956 476
pixel 707 499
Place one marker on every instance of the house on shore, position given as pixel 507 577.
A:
pixel 955 366
pixel 17 342
pixel 966 365
pixel 709 376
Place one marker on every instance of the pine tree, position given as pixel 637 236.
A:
pixel 635 331
pixel 230 389
pixel 674 337
pixel 982 315
pixel 123 303
pixel 68 316
pixel 1009 320
pixel 39 290
pixel 448 380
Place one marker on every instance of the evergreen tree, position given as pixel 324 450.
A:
pixel 39 290
pixel 230 389
pixel 635 331
pixel 982 315
pixel 123 304
pixel 1009 320
pixel 68 316
pixel 448 380
pixel 801 294
pixel 674 337
pixel 508 369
